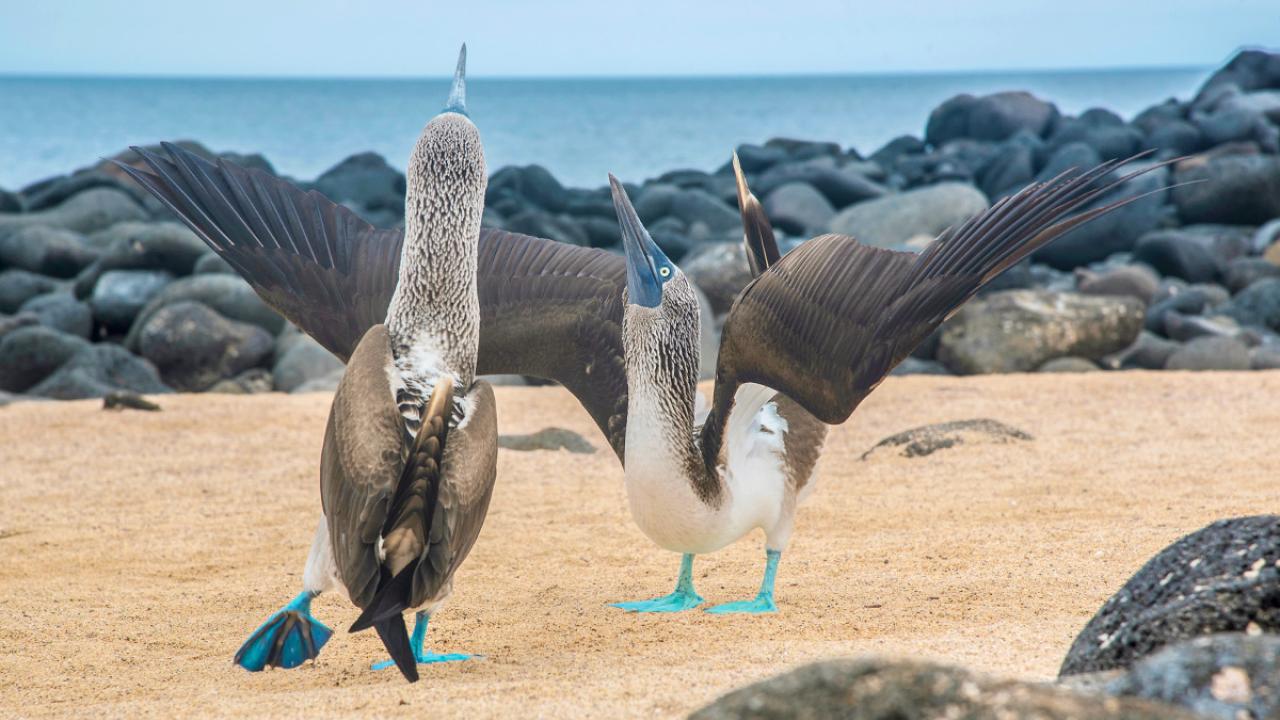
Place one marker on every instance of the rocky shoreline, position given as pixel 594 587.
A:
pixel 102 290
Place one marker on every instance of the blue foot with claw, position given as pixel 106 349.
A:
pixel 424 657
pixel 286 640
pixel 684 597
pixel 764 600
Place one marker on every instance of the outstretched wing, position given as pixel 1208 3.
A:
pixel 548 309
pixel 827 322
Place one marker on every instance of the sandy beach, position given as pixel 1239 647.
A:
pixel 137 550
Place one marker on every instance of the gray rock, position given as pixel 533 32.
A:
pixel 304 360
pixel 872 689
pixel 1237 124
pixel 928 439
pixel 543 224
pixel 85 212
pixel 698 206
pixel 1069 365
pixel 1110 137
pixel 1136 281
pixel 325 384
pixel 1177 254
pixel 1011 170
pixel 802 149
pixel 98 370
pixel 1226 677
pixel 142 246
pixel 552 438
pixel 1210 353
pixel 55 191
pixel 795 208
pixel 1257 305
pixel 1115 231
pixel 1077 155
pixel 229 295
pixel 755 158
pixel 9 323
pixel 840 187
pixel 127 400
pixel 1249 70
pixel 48 251
pixel 1265 356
pixel 919 366
pixel 30 354
pixel 119 295
pixel 533 183
pixel 720 270
pixel 366 182
pixel 19 286
pixel 604 233
pixel 1237 189
pixel 892 220
pixel 1222 578
pixel 1019 330
pixel 654 201
pixel 1174 139
pixel 992 117
pixel 61 311
pixel 1148 352
pixel 1184 328
pixel 249 382
pixel 1190 300
pixel 195 347
pixel 211 263
pixel 1242 272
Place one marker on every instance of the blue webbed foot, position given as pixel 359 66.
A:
pixel 684 597
pixel 762 604
pixel 286 640
pixel 424 657
pixel 675 602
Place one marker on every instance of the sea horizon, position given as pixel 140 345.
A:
pixel 579 127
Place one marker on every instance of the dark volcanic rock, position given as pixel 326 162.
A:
pixel 721 271
pixel 1227 677
pixel 86 212
pixel 1019 330
pixel 142 246
pixel 796 207
pixel 1010 170
pixel 551 438
pixel 304 360
pixel 195 347
pixel 1186 327
pixel 543 224
pixel 928 439
pixel 251 381
pixel 120 295
pixel 523 185
pixel 1237 124
pixel 1257 305
pixel 918 366
pixel 1134 281
pixel 698 206
pixel 1210 353
pixel 1115 231
pixel 1102 131
pixel 19 286
pixel 1175 138
pixel 61 311
pixel 991 117
pixel 840 188
pixel 1248 70
pixel 1191 300
pixel 871 689
pixel 756 158
pixel 229 295
pixel 30 354
pixel 127 400
pixel 1242 272
pixel 58 190
pixel 211 263
pixel 1222 578
pixel 45 250
pixel 1148 352
pixel 1239 189
pixel 367 182
pixel 1077 155
pixel 97 370
pixel 1178 254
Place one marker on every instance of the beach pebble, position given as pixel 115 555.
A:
pixel 194 347
pixel 875 689
pixel 1019 330
pixel 551 438
pixel 1222 578
pixel 253 380
pixel 928 439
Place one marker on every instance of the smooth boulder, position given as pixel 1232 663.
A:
pixel 195 347
pixel 19 286
pixel 991 117
pixel 85 212
pixel 97 371
pixel 119 295
pixel 1210 353
pixel 797 208
pixel 303 360
pixel 1020 330
pixel 229 295
pixel 1238 189
pixel 61 311
pixel 30 354
pixel 55 252
pixel 892 220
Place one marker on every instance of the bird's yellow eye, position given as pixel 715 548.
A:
pixel 664 272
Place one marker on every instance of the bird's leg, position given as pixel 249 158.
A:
pixel 287 639
pixel 764 599
pixel 424 657
pixel 684 597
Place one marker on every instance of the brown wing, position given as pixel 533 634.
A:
pixel 461 500
pixel 361 464
pixel 827 322
pixel 547 309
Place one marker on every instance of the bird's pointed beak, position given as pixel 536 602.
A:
pixel 457 101
pixel 643 286
pixel 744 193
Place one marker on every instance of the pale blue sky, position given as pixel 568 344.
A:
pixel 600 37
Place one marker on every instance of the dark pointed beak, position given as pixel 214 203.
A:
pixel 643 286
pixel 757 232
pixel 457 101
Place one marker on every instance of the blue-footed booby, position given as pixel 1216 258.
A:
pixel 410 450
pixel 803 344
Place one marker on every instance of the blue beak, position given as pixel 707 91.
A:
pixel 457 101
pixel 643 286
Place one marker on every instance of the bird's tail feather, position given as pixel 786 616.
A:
pixel 385 614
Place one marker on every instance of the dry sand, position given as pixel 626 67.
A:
pixel 137 550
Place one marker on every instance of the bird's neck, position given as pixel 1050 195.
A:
pixel 434 317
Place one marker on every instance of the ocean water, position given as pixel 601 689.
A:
pixel 580 129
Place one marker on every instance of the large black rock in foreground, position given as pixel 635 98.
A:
pixel 1223 578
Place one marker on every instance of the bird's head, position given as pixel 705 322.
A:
pixel 661 313
pixel 447 166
